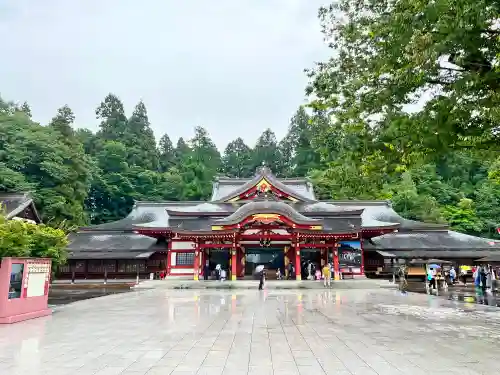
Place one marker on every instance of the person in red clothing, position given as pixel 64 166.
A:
pixel 162 275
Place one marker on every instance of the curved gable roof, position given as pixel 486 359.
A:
pixel 379 214
pixel 434 240
pixel 267 207
pixel 266 174
pixel 16 204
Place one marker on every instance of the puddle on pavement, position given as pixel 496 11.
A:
pixel 64 296
pixel 461 294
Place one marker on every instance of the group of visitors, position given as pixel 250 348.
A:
pixel 290 275
pixel 219 273
pixel 485 277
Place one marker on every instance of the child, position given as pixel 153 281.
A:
pixel 278 274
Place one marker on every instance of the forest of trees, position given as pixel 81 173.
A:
pixel 355 139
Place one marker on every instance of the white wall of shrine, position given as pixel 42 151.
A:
pixel 182 245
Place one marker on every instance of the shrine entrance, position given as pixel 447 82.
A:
pixel 314 256
pixel 271 258
pixel 218 256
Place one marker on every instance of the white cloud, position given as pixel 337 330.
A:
pixel 235 67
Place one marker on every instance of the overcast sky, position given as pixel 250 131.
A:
pixel 232 66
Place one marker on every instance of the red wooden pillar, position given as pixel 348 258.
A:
pixel 324 256
pixel 336 267
pixel 287 260
pixel 234 263
pixel 240 256
pixel 196 263
pixel 169 257
pixel 298 275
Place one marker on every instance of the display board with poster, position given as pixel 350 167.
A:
pixel 350 257
pixel 25 285
pixel 37 279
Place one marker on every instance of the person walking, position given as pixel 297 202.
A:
pixel 463 275
pixel 327 276
pixel 453 275
pixel 482 275
pixel 217 272
pixel 206 270
pixel 262 277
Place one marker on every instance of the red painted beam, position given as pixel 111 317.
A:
pixel 212 245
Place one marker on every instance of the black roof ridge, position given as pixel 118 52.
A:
pixel 424 229
pixel 263 172
pixel 158 203
pixel 91 229
pixel 246 179
pixel 369 202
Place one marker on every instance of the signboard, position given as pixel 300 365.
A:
pixel 350 256
pixel 36 282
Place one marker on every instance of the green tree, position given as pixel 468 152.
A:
pixel 112 193
pixel 166 153
pixel 299 139
pixel 140 140
pixel 463 217
pixel 22 239
pixel 266 151
pixel 13 181
pixel 181 152
pixel 58 171
pixel 409 203
pixel 204 151
pixel 113 120
pixel 62 122
pixel 237 159
pixel 391 54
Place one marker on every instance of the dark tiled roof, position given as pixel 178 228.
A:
pixel 83 255
pixel 494 258
pixel 267 207
pixel 443 254
pixel 374 214
pixel 14 204
pixel 109 241
pixel 342 224
pixel 154 213
pixel 434 240
pixel 192 224
pixel 379 214
pixel 203 208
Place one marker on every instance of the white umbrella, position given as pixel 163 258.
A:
pixel 259 268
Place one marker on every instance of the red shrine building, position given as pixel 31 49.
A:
pixel 266 221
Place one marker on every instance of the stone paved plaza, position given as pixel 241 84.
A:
pixel 246 332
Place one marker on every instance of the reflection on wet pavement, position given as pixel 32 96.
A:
pixel 63 296
pixel 459 293
pixel 247 332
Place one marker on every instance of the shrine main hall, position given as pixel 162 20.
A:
pixel 263 220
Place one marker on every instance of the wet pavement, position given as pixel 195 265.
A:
pixel 249 332
pixel 460 293
pixel 61 296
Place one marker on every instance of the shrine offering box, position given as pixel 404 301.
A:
pixel 24 289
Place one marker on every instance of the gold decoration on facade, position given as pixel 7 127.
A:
pixel 265 217
pixel 263 186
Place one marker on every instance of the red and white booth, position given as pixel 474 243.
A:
pixel 24 289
